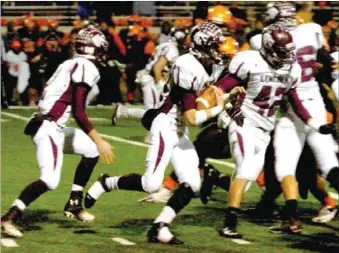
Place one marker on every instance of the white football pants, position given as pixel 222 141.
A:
pixel 169 145
pixel 248 147
pixel 290 136
pixel 52 142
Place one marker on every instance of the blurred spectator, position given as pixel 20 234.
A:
pixel 30 31
pixel 322 15
pixel 14 57
pixel 200 12
pixel 165 32
pixel 237 12
pixel 109 72
pixel 139 49
pixel 144 8
pixel 305 12
pixel 4 103
pixel 132 20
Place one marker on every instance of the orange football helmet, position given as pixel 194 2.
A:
pixel 219 15
pixel 228 49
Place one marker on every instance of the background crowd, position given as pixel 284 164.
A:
pixel 31 50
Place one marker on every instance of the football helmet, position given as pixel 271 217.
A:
pixel 179 35
pixel 228 49
pixel 91 44
pixel 280 12
pixel 277 47
pixel 206 39
pixel 219 15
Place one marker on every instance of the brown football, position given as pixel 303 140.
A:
pixel 206 98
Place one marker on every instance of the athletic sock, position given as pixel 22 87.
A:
pixel 167 215
pixel 84 172
pixel 130 182
pixel 136 112
pixel 31 193
pixel 231 220
pixel 333 178
pixel 291 209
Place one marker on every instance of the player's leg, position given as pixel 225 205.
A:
pixel 288 145
pixel 158 156
pixel 49 156
pixel 248 147
pixel 185 163
pixel 77 142
pixel 123 111
pixel 323 149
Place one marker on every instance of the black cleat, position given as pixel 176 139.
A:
pixel 153 235
pixel 97 189
pixel 231 233
pixel 7 222
pixel 115 114
pixel 210 177
pixel 74 209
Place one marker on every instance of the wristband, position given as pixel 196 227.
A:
pixel 200 117
pixel 215 110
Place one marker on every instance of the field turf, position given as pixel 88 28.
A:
pixel 118 214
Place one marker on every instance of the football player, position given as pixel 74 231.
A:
pixel 212 142
pixel 169 133
pixel 291 132
pixel 152 78
pixel 64 94
pixel 269 74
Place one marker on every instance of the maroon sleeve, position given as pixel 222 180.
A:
pixel 227 83
pixel 189 100
pixel 297 105
pixel 80 91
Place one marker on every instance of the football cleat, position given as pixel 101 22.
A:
pixel 210 177
pixel 161 196
pixel 325 214
pixel 229 232
pixel 159 233
pixel 115 115
pixel 292 226
pixel 74 209
pixel 96 190
pixel 7 222
pixel 9 229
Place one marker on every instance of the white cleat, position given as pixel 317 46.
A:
pixel 161 196
pixel 325 214
pixel 9 229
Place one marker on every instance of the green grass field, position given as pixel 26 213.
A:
pixel 118 214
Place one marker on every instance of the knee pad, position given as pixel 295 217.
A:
pixel 333 178
pixel 181 197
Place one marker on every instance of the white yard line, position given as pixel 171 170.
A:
pixel 9 243
pixel 122 140
pixel 123 241
pixel 241 241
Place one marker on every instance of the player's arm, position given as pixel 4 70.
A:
pixel 80 92
pixel 305 116
pixel 159 67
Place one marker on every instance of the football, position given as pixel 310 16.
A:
pixel 206 98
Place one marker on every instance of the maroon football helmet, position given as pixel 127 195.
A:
pixel 91 44
pixel 277 47
pixel 280 12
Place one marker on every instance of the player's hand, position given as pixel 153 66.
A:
pixel 328 128
pixel 106 153
pixel 236 115
pixel 237 95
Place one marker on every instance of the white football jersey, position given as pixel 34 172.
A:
pixel 58 94
pixel 167 49
pixel 188 78
pixel 265 86
pixel 308 39
pixel 14 61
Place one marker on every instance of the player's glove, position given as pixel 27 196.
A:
pixel 328 128
pixel 236 115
